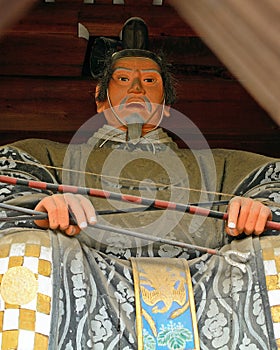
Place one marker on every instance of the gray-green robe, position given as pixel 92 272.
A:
pixel 93 295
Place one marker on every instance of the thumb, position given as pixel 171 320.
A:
pixel 45 222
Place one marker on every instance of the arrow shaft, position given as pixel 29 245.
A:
pixel 155 203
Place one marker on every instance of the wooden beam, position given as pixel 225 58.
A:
pixel 49 18
pixel 58 54
pixel 217 108
pixel 45 104
pixel 42 55
pixel 46 42
pixel 101 19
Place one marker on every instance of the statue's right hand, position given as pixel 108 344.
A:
pixel 60 206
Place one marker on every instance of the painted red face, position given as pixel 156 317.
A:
pixel 135 91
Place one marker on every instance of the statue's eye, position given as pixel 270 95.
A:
pixel 125 79
pixel 149 80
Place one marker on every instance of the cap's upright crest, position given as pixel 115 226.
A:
pixel 133 36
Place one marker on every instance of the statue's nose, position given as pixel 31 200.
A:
pixel 136 86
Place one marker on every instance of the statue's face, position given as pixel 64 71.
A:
pixel 135 92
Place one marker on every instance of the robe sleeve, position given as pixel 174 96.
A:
pixel 19 164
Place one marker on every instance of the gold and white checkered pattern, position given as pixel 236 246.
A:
pixel 26 326
pixel 271 258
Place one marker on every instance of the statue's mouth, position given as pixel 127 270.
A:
pixel 136 105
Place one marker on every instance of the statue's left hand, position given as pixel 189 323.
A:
pixel 59 206
pixel 246 215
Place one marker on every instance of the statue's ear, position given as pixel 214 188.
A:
pixel 166 111
pixel 101 105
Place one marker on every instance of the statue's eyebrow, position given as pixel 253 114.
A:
pixel 141 70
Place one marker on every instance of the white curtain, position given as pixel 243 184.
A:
pixel 245 35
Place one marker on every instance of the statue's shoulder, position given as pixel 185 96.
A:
pixel 41 149
pixel 34 144
pixel 235 154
